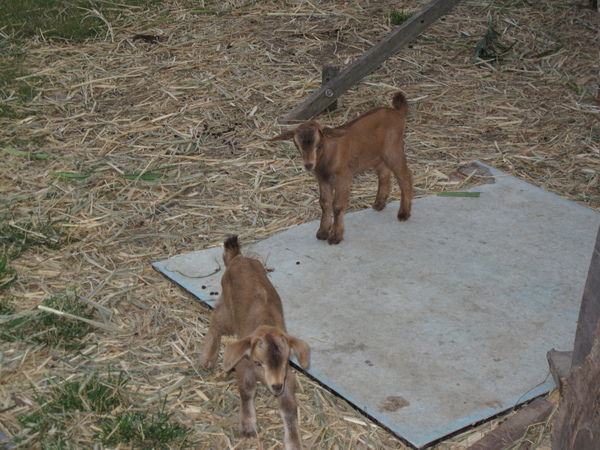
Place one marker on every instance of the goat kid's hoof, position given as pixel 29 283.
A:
pixel 333 240
pixel 322 235
pixel 403 216
pixel 247 431
pixel 208 364
pixel 377 206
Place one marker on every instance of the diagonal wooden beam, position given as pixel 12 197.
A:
pixel 515 426
pixel 370 60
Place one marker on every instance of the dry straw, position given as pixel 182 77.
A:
pixel 157 147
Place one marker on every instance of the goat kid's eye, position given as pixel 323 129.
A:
pixel 258 363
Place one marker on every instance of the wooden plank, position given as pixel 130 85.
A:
pixel 515 426
pixel 589 313
pixel 370 60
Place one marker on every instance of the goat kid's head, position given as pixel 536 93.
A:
pixel 309 138
pixel 269 350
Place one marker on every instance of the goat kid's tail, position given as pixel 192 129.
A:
pixel 231 249
pixel 399 102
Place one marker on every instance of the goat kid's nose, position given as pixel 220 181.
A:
pixel 277 389
pixel 308 167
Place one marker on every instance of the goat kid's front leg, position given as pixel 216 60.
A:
pixel 340 201
pixel 212 339
pixel 247 389
pixel 288 410
pixel 325 200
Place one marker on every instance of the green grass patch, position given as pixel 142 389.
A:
pixel 65 20
pixel 116 422
pixel 60 408
pixel 142 429
pixel 6 306
pixel 73 20
pixel 7 274
pixel 151 175
pixel 50 18
pixel 399 17
pixel 459 194
pixel 489 48
pixel 14 93
pixel 70 176
pixel 49 329
pixel 575 87
pixel 29 155
pixel 17 236
pixel 594 134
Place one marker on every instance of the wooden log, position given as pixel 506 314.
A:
pixel 577 424
pixel 589 313
pixel 515 426
pixel 370 60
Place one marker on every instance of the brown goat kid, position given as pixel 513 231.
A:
pixel 372 140
pixel 250 308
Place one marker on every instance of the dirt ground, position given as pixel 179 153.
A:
pixel 155 136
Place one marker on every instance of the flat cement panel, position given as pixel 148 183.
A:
pixel 433 324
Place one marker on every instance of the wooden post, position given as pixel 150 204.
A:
pixel 577 424
pixel 561 363
pixel 370 60
pixel 589 313
pixel 329 72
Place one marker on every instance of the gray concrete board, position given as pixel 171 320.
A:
pixel 436 323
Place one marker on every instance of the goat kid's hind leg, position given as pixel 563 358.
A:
pixel 247 389
pixel 288 410
pixel 325 200
pixel 398 165
pixel 384 187
pixel 405 182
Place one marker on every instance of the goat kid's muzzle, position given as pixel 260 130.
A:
pixel 278 389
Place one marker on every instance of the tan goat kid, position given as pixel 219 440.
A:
pixel 250 308
pixel 372 140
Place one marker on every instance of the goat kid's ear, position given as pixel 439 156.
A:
pixel 285 136
pixel 234 352
pixel 332 132
pixel 301 350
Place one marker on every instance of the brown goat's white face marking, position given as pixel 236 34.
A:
pixel 308 139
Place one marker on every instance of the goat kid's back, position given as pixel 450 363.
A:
pixel 248 293
pixel 371 138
